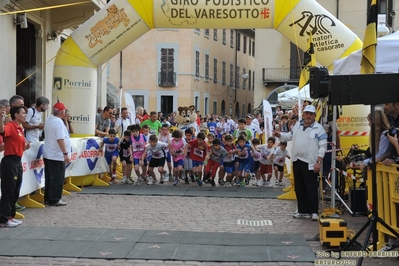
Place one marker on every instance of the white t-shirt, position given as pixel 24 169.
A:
pixel 122 125
pixel 33 135
pixel 157 151
pixel 55 129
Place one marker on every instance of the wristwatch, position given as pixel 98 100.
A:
pixel 318 162
pixel 65 153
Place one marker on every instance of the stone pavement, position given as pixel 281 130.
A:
pixel 176 213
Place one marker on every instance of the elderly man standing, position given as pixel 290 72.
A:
pixel 56 155
pixel 309 143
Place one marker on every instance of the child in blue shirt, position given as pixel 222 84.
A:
pixel 244 159
pixel 111 152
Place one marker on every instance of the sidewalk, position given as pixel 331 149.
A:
pixel 177 213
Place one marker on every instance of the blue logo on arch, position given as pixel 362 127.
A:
pixel 92 143
pixel 39 174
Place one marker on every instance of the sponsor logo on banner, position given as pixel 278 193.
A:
pixel 60 83
pixel 318 25
pixel 114 18
pixel 179 12
pixel 38 164
pixel 90 154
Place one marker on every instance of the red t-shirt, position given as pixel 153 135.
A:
pixel 197 153
pixel 14 139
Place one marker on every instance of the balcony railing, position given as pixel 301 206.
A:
pixel 167 79
pixel 284 74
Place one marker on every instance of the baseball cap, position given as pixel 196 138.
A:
pixel 59 106
pixel 310 109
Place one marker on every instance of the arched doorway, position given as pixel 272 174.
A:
pixel 237 109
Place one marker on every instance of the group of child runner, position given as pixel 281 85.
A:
pixel 237 156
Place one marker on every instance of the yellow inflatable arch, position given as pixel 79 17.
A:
pixel 121 22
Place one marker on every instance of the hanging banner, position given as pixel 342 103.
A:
pixel 130 107
pixel 238 14
pixel 268 120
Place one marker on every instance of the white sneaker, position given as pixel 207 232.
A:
pixel 149 181
pixel 18 222
pixel 298 215
pixel 165 178
pixel 281 184
pixel 9 224
pixel 139 181
pixel 129 181
pixel 276 183
pixel 392 244
pixel 259 183
pixel 124 180
pixel 315 217
pixel 268 184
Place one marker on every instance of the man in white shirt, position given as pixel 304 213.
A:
pixel 33 124
pixel 123 122
pixel 251 126
pixel 56 154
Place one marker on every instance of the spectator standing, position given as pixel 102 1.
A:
pixel 33 124
pixel 103 122
pixel 123 122
pixel 15 100
pixel 154 124
pixel 56 154
pixel 309 142
pixel 11 167
pixel 99 110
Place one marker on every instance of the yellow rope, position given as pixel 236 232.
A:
pixel 19 83
pixel 43 8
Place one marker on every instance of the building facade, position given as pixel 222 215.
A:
pixel 31 40
pixel 212 69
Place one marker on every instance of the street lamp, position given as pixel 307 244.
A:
pixel 244 77
pixel 382 30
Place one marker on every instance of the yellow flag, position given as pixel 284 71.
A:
pixel 309 61
pixel 370 42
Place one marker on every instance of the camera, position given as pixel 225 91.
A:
pixel 392 131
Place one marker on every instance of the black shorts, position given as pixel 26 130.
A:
pixel 154 162
pixel 125 159
pixel 256 165
pixel 280 168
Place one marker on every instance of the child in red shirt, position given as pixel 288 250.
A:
pixel 198 153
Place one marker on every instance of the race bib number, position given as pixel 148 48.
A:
pixel 126 153
pixel 138 146
pixel 179 151
pixel 111 147
pixel 257 156
pixel 157 154
pixel 198 152
pixel 153 132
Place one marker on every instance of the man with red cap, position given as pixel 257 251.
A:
pixel 56 154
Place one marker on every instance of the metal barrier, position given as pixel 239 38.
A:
pixel 387 198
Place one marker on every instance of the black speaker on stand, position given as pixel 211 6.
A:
pixel 368 89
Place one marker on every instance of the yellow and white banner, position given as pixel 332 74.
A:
pixel 121 22
pixel 85 160
pixel 215 14
pixel 330 37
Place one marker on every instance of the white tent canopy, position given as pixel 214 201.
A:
pixel 387 57
pixel 290 97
